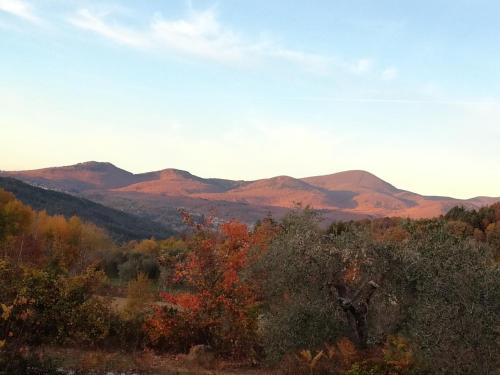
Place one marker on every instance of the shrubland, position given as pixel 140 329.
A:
pixel 382 296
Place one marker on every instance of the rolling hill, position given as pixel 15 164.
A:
pixel 120 225
pixel 158 195
pixel 79 177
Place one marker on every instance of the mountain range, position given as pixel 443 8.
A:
pixel 158 195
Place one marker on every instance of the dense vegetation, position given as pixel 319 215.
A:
pixel 120 225
pixel 388 296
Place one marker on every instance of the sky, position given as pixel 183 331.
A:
pixel 408 90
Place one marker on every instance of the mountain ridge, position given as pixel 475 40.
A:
pixel 354 193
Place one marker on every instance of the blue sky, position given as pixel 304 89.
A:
pixel 252 89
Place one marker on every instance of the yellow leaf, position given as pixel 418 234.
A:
pixel 306 355
pixel 6 311
pixel 316 358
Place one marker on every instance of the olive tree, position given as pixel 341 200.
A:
pixel 320 287
pixel 438 289
pixel 450 298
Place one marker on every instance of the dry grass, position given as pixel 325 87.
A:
pixel 141 362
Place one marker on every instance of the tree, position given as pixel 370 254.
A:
pixel 450 302
pixel 437 288
pixel 320 287
pixel 139 296
pixel 493 237
pixel 220 305
pixel 15 222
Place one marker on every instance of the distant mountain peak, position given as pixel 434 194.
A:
pixel 77 177
pixel 278 182
pixel 96 166
pixel 176 172
pixel 344 194
pixel 93 163
pixel 351 180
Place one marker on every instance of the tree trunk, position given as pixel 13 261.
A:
pixel 356 306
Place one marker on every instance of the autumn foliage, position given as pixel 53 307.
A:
pixel 34 237
pixel 382 296
pixel 219 307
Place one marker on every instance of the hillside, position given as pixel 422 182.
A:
pixel 352 181
pixel 120 225
pixel 157 195
pixel 79 177
pixel 176 182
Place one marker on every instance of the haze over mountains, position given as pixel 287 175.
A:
pixel 157 195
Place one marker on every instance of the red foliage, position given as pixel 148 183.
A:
pixel 185 301
pixel 221 308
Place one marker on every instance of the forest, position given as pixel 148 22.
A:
pixel 118 224
pixel 289 296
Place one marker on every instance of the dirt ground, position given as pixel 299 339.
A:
pixel 77 361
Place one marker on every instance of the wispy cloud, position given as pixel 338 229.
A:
pixel 86 20
pixel 19 8
pixel 201 35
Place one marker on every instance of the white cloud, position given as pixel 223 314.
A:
pixel 390 74
pixel 19 8
pixel 86 20
pixel 203 36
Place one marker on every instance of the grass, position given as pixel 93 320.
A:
pixel 141 362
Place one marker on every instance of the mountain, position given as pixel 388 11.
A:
pixel 158 195
pixel 374 196
pixel 352 181
pixel 120 225
pixel 285 191
pixel 79 177
pixel 483 201
pixel 176 182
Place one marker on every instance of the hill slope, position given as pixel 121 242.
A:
pixel 176 182
pixel 120 225
pixel 79 177
pixel 158 195
pixel 352 181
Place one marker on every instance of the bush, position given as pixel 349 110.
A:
pixel 220 308
pixel 451 303
pixel 127 333
pixel 127 265
pixel 49 307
